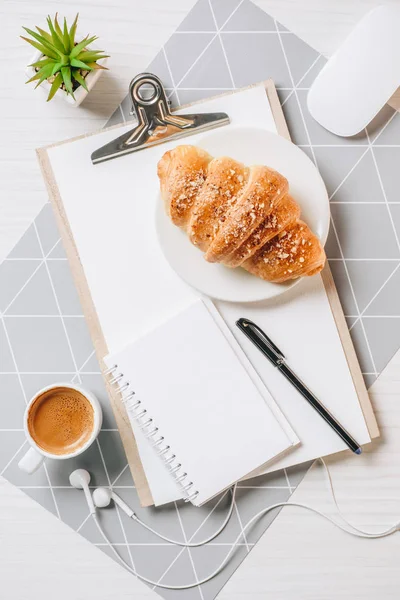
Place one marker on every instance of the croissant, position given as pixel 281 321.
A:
pixel 238 215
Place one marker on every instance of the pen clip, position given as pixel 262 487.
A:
pixel 246 323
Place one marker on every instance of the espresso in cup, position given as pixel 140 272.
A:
pixel 61 421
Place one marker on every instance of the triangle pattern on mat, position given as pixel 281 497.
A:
pixel 160 68
pixel 294 121
pixel 387 301
pixel 182 51
pixel 174 101
pixel 335 164
pixel 383 337
pixel 58 251
pixel 6 359
pixel 79 337
pixel 332 247
pixel 308 79
pixel 391 131
pixel 109 521
pixel 300 55
pixel 206 558
pixel 284 95
pixel 249 17
pixel 44 497
pixel 180 570
pixel 361 347
pixel 72 510
pixel 361 183
pixel 350 321
pixel 339 274
pixel 111 446
pixel 200 18
pixel 281 27
pixel 387 163
pixel 155 561
pixel 10 444
pixel 37 297
pixel 124 478
pixel 13 473
pixel 211 69
pixel 92 365
pixel 369 379
pixel 367 277
pixel 13 275
pixel 197 527
pixel 47 228
pixel 28 245
pixel 223 9
pixel 12 401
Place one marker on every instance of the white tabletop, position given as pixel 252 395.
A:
pixel 299 556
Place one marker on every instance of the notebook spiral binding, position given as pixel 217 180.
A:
pixel 140 415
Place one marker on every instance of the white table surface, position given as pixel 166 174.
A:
pixel 299 556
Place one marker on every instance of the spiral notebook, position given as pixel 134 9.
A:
pixel 210 419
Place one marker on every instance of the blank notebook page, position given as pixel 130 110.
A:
pixel 202 400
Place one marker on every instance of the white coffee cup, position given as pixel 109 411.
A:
pixel 35 456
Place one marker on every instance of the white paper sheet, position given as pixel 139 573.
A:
pixel 111 211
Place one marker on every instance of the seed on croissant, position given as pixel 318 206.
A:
pixel 238 215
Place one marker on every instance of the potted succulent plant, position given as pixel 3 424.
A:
pixel 63 63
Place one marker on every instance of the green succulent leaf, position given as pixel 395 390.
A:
pixel 79 78
pixel 41 63
pixel 57 41
pixel 79 47
pixel 62 58
pixel 88 56
pixel 55 86
pixel 45 34
pixel 39 47
pixel 56 67
pixel 57 27
pixel 80 65
pixel 72 31
pixel 66 75
pixel 42 74
pixel 50 49
pixel 66 40
pixel 34 77
pixel 95 65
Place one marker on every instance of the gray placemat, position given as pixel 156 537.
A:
pixel 221 45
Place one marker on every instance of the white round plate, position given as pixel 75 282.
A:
pixel 250 146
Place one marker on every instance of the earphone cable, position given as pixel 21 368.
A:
pixel 353 531
pixel 384 532
pixel 194 544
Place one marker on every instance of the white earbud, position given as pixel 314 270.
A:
pixel 80 480
pixel 102 497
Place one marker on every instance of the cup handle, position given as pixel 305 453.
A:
pixel 31 461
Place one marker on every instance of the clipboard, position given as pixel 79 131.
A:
pixel 97 334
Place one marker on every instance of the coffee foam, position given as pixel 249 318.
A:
pixel 61 421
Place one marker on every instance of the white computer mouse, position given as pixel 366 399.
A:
pixel 361 76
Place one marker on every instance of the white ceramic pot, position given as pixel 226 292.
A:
pixel 80 93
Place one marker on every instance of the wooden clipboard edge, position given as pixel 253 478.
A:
pixel 350 352
pixel 89 310
pixel 331 292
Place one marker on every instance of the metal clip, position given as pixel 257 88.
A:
pixel 156 124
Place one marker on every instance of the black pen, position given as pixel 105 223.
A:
pixel 272 352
